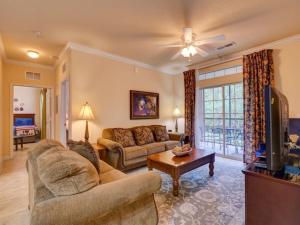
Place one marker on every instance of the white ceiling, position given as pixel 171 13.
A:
pixel 136 29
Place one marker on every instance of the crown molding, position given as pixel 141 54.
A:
pixel 240 54
pixel 2 49
pixel 107 55
pixel 23 63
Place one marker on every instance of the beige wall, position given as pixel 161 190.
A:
pixel 105 84
pixel 287 74
pixel 179 99
pixel 14 74
pixel 1 113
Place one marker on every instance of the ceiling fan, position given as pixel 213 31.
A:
pixel 191 45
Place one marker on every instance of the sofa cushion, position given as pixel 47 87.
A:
pixel 111 176
pixel 124 137
pixel 143 135
pixel 134 152
pixel 170 144
pixel 161 133
pixel 86 150
pixel 65 172
pixel 104 167
pixel 155 147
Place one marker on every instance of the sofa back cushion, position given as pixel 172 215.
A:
pixel 143 135
pixel 65 172
pixel 124 137
pixel 86 150
pixel 161 134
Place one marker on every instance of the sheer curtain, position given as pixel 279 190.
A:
pixel 199 119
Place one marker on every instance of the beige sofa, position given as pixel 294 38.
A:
pixel 125 158
pixel 119 199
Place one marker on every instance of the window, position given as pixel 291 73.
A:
pixel 221 73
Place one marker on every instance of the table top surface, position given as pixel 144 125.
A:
pixel 169 158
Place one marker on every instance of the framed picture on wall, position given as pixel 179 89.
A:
pixel 144 105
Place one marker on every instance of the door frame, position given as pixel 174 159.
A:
pixel 64 104
pixel 11 133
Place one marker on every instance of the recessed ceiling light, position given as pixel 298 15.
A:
pixel 33 54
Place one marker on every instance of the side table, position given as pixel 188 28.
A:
pixel 18 140
pixel 101 150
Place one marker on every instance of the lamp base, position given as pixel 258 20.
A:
pixel 86 136
pixel 176 126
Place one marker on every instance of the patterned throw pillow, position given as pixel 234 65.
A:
pixel 143 135
pixel 86 150
pixel 124 137
pixel 161 133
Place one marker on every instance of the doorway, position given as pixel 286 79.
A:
pixel 221 120
pixel 31 116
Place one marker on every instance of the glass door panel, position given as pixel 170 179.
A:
pixel 221 123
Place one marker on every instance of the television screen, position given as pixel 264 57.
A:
pixel 277 128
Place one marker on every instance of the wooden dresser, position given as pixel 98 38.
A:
pixel 269 200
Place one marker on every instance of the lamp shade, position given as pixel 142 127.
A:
pixel 86 112
pixel 176 112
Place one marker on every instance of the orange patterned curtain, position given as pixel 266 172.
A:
pixel 189 106
pixel 257 72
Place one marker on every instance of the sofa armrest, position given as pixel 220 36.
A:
pixel 97 202
pixel 176 136
pixel 110 145
pixel 115 155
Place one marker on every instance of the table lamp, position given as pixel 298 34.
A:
pixel 86 114
pixel 176 114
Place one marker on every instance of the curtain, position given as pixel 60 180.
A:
pixel 190 95
pixel 257 72
pixel 43 113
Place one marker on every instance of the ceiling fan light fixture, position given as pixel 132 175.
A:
pixel 185 52
pixel 188 51
pixel 192 50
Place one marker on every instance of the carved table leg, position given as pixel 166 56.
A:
pixel 175 186
pixel 211 168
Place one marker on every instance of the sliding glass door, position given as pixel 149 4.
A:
pixel 220 119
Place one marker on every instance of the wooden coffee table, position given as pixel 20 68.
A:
pixel 175 166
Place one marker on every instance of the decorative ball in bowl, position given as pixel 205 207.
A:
pixel 182 151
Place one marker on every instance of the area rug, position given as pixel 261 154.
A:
pixel 204 200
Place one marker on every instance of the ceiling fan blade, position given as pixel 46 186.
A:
pixel 176 55
pixel 172 46
pixel 202 52
pixel 209 40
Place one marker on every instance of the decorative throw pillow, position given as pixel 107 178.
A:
pixel 143 135
pixel 161 133
pixel 124 137
pixel 86 150
pixel 65 172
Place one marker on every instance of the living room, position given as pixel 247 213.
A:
pixel 136 83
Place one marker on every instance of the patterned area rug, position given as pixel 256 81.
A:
pixel 204 200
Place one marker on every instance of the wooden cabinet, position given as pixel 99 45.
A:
pixel 269 200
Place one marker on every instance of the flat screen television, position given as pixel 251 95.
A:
pixel 277 128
